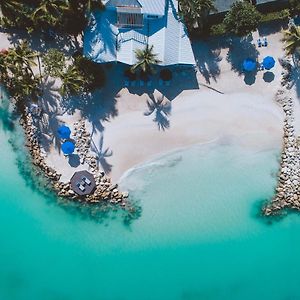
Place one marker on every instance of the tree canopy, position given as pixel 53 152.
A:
pixel 242 19
pixel 66 16
pixel 291 39
pixel 195 12
pixel 146 58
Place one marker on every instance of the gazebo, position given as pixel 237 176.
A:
pixel 83 183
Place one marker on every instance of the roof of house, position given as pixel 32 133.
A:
pixel 224 5
pixel 151 7
pixel 104 42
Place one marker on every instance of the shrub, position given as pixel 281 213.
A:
pixel 242 19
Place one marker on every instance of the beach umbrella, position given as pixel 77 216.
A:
pixel 249 65
pixel 64 132
pixel 68 147
pixel 268 62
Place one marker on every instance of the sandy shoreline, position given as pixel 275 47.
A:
pixel 216 103
pixel 197 116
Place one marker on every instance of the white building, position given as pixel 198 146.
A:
pixel 126 25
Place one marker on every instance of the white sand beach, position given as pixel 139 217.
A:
pixel 216 102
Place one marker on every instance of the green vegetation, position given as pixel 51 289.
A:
pixel 72 81
pixel 294 6
pixel 145 60
pixel 54 62
pixel 82 76
pixel 17 74
pixel 93 73
pixel 68 17
pixel 277 15
pixel 291 40
pixel 242 19
pixel 195 12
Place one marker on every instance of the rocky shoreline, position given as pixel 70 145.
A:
pixel 105 190
pixel 287 194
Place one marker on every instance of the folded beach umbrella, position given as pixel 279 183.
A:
pixel 64 132
pixel 268 62
pixel 249 65
pixel 68 147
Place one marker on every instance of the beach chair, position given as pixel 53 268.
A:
pixel 141 83
pixel 160 82
pixel 149 83
pixel 261 66
pixel 133 83
pixel 81 187
pixel 259 42
pixel 86 180
pixel 265 42
pixel 168 83
pixel 126 83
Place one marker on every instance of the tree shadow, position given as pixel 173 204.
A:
pixel 250 78
pixel 102 155
pixel 291 74
pixel 240 49
pixel 207 59
pixel 48 123
pixel 268 76
pixel 272 27
pixel 37 41
pixel 161 109
pixel 74 160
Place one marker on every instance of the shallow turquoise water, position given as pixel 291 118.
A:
pixel 199 235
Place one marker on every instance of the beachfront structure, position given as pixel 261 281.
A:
pixel 127 25
pixel 222 6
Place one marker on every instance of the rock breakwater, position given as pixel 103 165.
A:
pixel 287 195
pixel 105 190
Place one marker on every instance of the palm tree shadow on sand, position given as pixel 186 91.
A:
pixel 162 110
pixel 102 155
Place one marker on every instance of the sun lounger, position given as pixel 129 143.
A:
pixel 265 42
pixel 149 83
pixel 86 180
pixel 259 43
pixel 133 83
pixel 142 83
pixel 80 186
pixel 126 83
pixel 160 82
pixel 168 83
pixel 261 66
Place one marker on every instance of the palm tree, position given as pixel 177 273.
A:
pixel 14 13
pixel 49 13
pixel 291 38
pixel 21 58
pixel 195 12
pixel 72 81
pixel 145 60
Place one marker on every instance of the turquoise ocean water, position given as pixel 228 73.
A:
pixel 199 235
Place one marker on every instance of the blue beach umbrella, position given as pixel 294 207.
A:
pixel 64 132
pixel 249 65
pixel 268 62
pixel 68 147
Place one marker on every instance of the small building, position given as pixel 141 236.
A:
pixel 223 6
pixel 124 26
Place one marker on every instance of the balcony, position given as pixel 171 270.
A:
pixel 132 19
